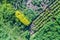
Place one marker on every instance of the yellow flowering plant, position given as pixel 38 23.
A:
pixel 22 18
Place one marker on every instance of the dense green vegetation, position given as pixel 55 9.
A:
pixel 46 15
pixel 10 27
pixel 50 31
pixel 47 24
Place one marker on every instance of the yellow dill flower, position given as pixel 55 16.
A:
pixel 22 18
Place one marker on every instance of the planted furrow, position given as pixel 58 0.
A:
pixel 53 3
pixel 38 30
pixel 55 13
pixel 38 21
pixel 53 10
pixel 58 11
pixel 41 22
pixel 44 23
pixel 45 18
pixel 38 17
pixel 42 17
pixel 54 6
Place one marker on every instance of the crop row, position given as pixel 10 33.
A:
pixel 46 16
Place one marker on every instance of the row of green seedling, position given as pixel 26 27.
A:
pixel 51 16
pixel 36 23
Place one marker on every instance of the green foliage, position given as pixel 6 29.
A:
pixel 10 27
pixel 30 14
pixel 18 4
pixel 50 31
